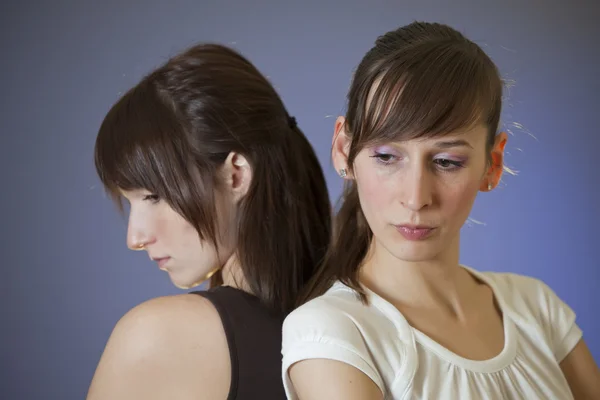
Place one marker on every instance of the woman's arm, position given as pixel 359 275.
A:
pixel 318 379
pixel 166 348
pixel 582 373
pixel 326 356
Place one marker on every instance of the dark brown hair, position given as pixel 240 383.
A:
pixel 170 133
pixel 421 80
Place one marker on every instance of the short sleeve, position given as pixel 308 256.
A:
pixel 319 330
pixel 558 320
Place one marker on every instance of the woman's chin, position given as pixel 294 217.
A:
pixel 188 283
pixel 416 251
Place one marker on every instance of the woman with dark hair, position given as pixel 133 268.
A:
pixel 221 185
pixel 392 313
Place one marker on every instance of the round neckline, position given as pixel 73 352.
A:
pixel 494 364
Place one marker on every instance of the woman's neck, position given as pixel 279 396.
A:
pixel 233 276
pixel 436 283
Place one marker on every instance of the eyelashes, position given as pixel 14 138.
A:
pixel 153 198
pixel 442 164
pixel 383 158
pixel 449 165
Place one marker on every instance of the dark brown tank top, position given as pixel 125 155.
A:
pixel 254 338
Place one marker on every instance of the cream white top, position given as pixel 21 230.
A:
pixel 539 331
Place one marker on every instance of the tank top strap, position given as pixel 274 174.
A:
pixel 253 334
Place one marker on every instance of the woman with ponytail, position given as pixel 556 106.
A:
pixel 221 185
pixel 391 313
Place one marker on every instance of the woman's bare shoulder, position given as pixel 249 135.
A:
pixel 165 346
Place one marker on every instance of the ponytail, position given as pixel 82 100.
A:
pixel 350 244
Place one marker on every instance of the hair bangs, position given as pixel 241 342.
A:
pixel 138 147
pixel 432 90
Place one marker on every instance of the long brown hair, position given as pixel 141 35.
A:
pixel 421 80
pixel 170 133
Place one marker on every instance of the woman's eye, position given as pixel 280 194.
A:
pixel 384 158
pixel 152 198
pixel 446 164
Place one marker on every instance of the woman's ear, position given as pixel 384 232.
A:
pixel 340 148
pixel 496 168
pixel 237 174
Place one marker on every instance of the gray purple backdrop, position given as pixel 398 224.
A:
pixel 68 274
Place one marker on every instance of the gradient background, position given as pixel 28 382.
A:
pixel 68 274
